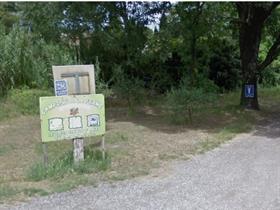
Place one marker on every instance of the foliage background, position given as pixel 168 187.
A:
pixel 155 44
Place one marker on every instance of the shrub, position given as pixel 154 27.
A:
pixel 182 101
pixel 27 60
pixel 224 64
pixel 270 77
pixel 101 85
pixel 25 100
pixel 130 89
pixel 202 82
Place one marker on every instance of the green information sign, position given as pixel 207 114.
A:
pixel 68 117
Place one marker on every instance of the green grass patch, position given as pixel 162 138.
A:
pixel 116 137
pixel 7 191
pixel 34 191
pixel 225 134
pixel 21 102
pixel 4 149
pixel 231 120
pixel 241 125
pixel 70 183
pixel 270 93
pixel 65 165
pixel 167 156
pixel 26 101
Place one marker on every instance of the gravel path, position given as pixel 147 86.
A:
pixel 243 174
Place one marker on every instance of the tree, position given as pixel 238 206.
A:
pixel 224 64
pixel 200 25
pixel 43 18
pixel 191 16
pixel 252 19
pixel 8 14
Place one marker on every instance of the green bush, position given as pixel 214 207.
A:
pixel 224 64
pixel 270 77
pixel 130 89
pixel 201 82
pixel 26 60
pixel 101 86
pixel 181 102
pixel 26 101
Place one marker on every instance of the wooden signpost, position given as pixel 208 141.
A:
pixel 72 117
pixel 78 143
pixel 82 111
pixel 76 73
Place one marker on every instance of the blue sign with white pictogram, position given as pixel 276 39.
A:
pixel 249 91
pixel 61 88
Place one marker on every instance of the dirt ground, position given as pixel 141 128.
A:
pixel 136 143
pixel 139 144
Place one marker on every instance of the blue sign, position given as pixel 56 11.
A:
pixel 249 91
pixel 61 88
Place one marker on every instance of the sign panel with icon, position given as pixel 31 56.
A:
pixel 61 87
pixel 249 91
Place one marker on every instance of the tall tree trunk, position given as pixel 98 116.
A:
pixel 249 41
pixel 250 37
pixel 193 58
pixel 194 39
pixel 252 17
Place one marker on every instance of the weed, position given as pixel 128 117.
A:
pixel 132 90
pixel 70 183
pixel 34 191
pixel 4 149
pixel 167 156
pixel 64 165
pixel 116 137
pixel 26 101
pixel 182 102
pixel 225 134
pixel 7 191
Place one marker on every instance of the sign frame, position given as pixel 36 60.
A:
pixel 76 72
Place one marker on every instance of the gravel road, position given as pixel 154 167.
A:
pixel 243 174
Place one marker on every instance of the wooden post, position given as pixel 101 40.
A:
pixel 103 147
pixel 78 150
pixel 78 143
pixel 45 154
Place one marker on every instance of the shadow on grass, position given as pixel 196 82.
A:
pixel 269 128
pixel 209 119
pixel 225 114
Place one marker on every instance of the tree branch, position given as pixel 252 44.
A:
pixel 244 9
pixel 272 7
pixel 272 54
